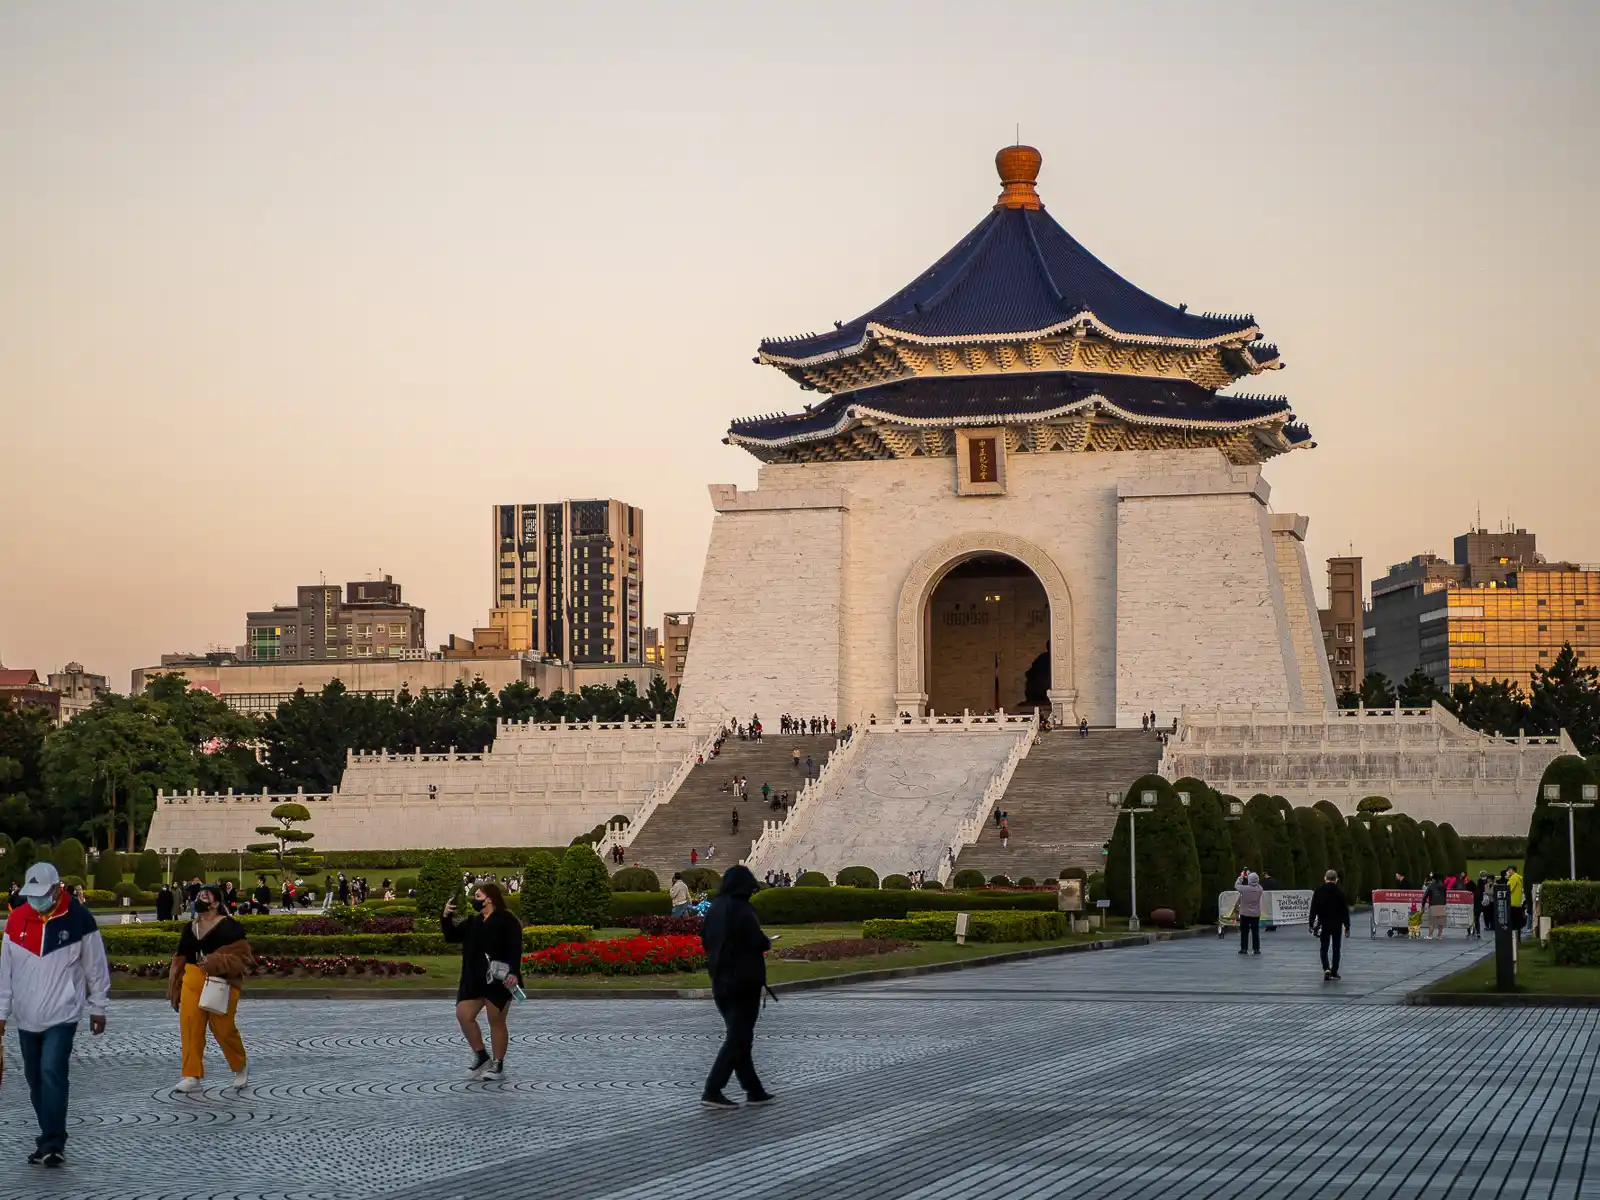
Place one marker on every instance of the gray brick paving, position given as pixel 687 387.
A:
pixel 1179 1070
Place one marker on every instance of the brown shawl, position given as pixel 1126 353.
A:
pixel 232 962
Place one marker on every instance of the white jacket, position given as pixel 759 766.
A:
pixel 51 967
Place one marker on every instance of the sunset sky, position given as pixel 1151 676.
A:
pixel 294 289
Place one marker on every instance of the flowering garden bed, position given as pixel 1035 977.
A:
pixel 643 955
pixel 269 966
pixel 839 948
pixel 660 925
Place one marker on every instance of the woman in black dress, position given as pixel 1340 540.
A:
pixel 491 955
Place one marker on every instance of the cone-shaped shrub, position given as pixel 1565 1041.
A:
pixel 1313 842
pixel 584 888
pixel 1340 853
pixel 1455 854
pixel 438 883
pixel 147 871
pixel 1367 873
pixel 1169 868
pixel 1547 856
pixel 1438 860
pixel 1271 834
pixel 69 859
pixel 1212 846
pixel 108 870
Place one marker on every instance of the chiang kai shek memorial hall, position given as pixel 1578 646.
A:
pixel 1024 486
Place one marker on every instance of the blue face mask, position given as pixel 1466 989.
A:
pixel 42 903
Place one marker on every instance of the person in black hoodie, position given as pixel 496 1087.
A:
pixel 490 939
pixel 736 959
pixel 1330 918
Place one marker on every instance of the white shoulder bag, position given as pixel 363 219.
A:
pixel 215 994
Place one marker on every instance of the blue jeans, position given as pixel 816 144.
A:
pixel 44 1065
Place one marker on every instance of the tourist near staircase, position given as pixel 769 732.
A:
pixel 1057 803
pixel 698 815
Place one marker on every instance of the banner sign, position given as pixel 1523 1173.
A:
pixel 1396 909
pixel 1278 907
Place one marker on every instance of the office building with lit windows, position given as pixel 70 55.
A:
pixel 578 567
pixel 367 619
pixel 1499 610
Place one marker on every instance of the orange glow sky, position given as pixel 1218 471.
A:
pixel 295 288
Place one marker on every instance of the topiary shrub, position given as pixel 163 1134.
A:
pixel 1169 868
pixel 1455 855
pixel 968 878
pixel 1341 853
pixel 702 879
pixel 1312 860
pixel 1373 805
pixel 864 877
pixel 19 857
pixel 1213 847
pixel 635 879
pixel 1073 873
pixel 804 906
pixel 932 885
pixel 1270 833
pixel 1096 886
pixel 125 891
pixel 147 871
pixel 1027 881
pixel 1000 881
pixel 188 866
pixel 69 859
pixel 540 904
pixel 896 883
pixel 812 879
pixel 108 870
pixel 1366 870
pixel 1547 828
pixel 584 887
pixel 1570 902
pixel 438 883
pixel 1438 860
pixel 639 904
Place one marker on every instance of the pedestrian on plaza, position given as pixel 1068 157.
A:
pixel 694 857
pixel 734 820
pixel 736 951
pixel 1486 900
pixel 14 898
pixel 164 903
pixel 261 898
pixel 230 897
pixel 44 989
pixel 794 758
pixel 766 792
pixel 711 851
pixel 1470 886
pixel 1514 885
pixel 344 889
pixel 1330 920
pixel 287 894
pixel 212 946
pixel 1435 900
pixel 491 954
pixel 678 895
pixel 1005 835
pixel 1250 892
pixel 1268 881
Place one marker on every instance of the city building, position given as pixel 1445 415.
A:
pixel 677 628
pixel 653 651
pixel 23 687
pixel 1341 621
pixel 259 687
pixel 78 689
pixel 369 621
pixel 577 566
pixel 1499 610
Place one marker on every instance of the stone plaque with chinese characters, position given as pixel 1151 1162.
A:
pixel 980 462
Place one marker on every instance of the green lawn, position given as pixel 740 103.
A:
pixel 1537 974
pixel 1492 865
pixel 444 971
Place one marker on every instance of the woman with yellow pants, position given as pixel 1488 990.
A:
pixel 212 945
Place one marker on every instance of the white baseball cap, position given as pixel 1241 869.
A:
pixel 41 878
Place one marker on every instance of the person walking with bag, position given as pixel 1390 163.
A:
pixel 736 951
pixel 491 956
pixel 45 984
pixel 203 985
pixel 1330 920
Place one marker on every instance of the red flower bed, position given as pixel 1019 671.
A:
pixel 620 956
pixel 318 927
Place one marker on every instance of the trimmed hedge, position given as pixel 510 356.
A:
pixel 1576 945
pixel 635 879
pixel 932 885
pixel 968 878
pixel 124 941
pixel 896 883
pixel 640 904
pixel 981 927
pixel 1475 845
pixel 702 879
pixel 378 860
pixel 801 905
pixel 857 877
pixel 812 879
pixel 1570 901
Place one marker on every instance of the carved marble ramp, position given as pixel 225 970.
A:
pixel 897 806
pixel 1057 803
pixel 700 814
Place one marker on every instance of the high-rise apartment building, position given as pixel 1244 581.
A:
pixel 676 630
pixel 578 566
pixel 368 620
pixel 79 689
pixel 1342 639
pixel 1498 611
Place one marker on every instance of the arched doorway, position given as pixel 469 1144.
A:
pixel 988 643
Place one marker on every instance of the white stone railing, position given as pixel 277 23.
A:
pixel 619 834
pixel 965 720
pixel 972 825
pixel 592 725
pixel 772 832
pixel 232 797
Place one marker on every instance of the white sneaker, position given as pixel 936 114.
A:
pixel 241 1079
pixel 189 1083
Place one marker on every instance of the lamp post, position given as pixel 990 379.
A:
pixel 1552 797
pixel 1147 799
pixel 240 852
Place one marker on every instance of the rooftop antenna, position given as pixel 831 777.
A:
pixel 1018 142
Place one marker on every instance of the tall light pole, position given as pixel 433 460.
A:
pixel 1147 800
pixel 1552 797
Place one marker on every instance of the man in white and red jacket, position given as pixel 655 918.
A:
pixel 52 966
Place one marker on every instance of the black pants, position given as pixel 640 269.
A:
pixel 1330 942
pixel 739 1012
pixel 1249 932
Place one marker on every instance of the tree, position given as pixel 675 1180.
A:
pixel 1168 866
pixel 1567 696
pixel 69 858
pixel 1547 855
pixel 1377 691
pixel 1373 805
pixel 1348 698
pixel 1367 872
pixel 438 883
pixel 1438 860
pixel 290 853
pixel 147 871
pixel 1410 851
pixel 189 866
pixel 24 807
pixel 661 699
pixel 14 866
pixel 1336 834
pixel 108 870
pixel 1313 841
pixel 1454 852
pixel 1271 836
pixel 1418 689
pixel 1490 706
pixel 1212 846
pixel 540 890
pixel 584 888
pixel 1247 852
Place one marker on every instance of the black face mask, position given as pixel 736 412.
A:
pixel 477 904
pixel 202 906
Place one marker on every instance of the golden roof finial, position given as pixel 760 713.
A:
pixel 1019 171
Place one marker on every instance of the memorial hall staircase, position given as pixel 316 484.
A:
pixel 698 814
pixel 1057 803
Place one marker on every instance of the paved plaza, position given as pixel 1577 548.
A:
pixel 1177 1070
